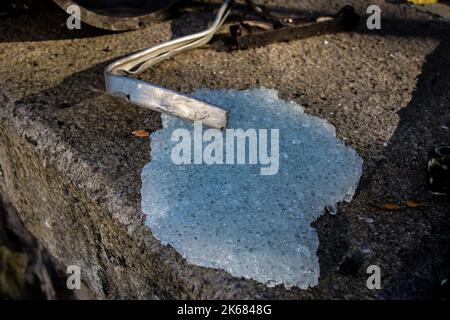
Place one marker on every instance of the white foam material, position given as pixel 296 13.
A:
pixel 233 218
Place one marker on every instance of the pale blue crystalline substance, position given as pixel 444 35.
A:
pixel 233 218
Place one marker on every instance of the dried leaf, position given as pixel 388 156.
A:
pixel 414 204
pixel 141 133
pixel 389 206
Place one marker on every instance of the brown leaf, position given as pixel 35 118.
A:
pixel 389 206
pixel 141 133
pixel 414 204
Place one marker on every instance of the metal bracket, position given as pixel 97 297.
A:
pixel 160 99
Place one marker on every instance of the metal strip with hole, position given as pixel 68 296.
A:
pixel 148 95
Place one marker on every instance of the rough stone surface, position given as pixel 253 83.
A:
pixel 71 166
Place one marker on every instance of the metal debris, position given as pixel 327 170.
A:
pixel 161 99
pixel 246 36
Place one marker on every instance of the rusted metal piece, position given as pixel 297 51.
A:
pixel 244 37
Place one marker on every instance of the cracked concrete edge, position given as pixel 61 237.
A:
pixel 32 150
pixel 78 172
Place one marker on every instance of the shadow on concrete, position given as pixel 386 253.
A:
pixel 42 26
pixel 423 124
pixel 99 127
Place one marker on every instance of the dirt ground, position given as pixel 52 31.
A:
pixel 386 91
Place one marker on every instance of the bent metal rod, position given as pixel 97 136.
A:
pixel 151 96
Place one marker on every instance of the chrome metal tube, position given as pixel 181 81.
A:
pixel 158 98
